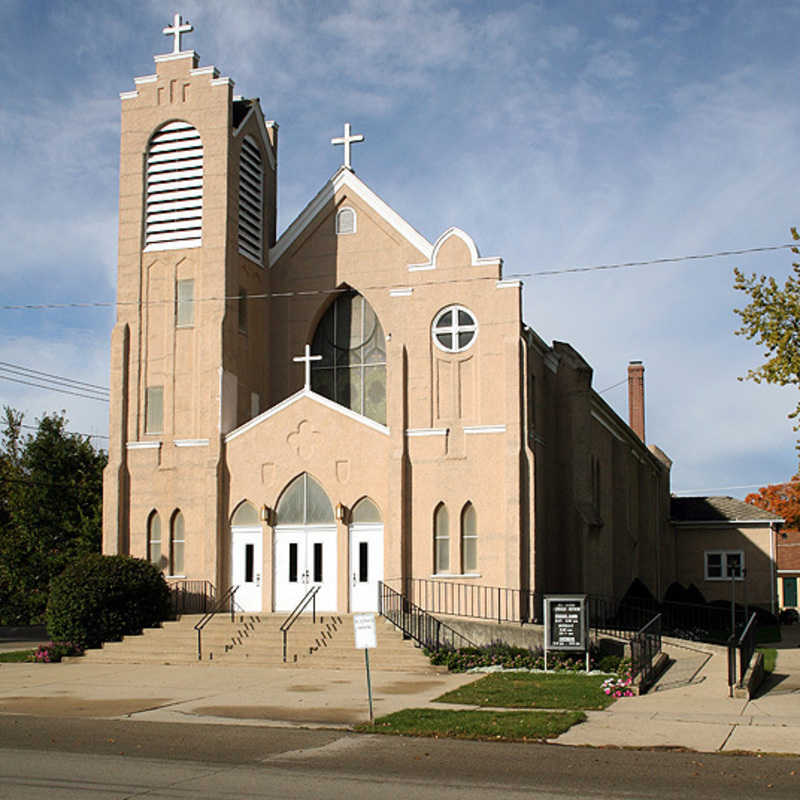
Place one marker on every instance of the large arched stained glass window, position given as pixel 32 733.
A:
pixel 352 371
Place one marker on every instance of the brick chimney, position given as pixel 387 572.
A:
pixel 636 397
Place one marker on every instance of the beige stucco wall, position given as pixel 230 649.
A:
pixel 753 541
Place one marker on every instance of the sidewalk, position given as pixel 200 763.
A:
pixel 702 717
pixel 698 716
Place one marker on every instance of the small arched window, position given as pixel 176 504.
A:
pixel 304 502
pixel 174 203
pixel 441 539
pixel 345 221
pixel 154 539
pixel 469 539
pixel 245 514
pixel 176 542
pixel 365 511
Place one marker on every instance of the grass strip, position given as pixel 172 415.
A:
pixel 533 690
pixel 504 726
pixel 15 656
pixel 770 657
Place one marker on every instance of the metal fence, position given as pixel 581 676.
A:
pixel 191 597
pixel 416 623
pixel 645 646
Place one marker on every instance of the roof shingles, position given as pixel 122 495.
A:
pixel 717 509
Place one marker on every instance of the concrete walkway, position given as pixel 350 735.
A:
pixel 696 714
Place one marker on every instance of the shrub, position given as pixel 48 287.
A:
pixel 609 663
pixel 53 652
pixel 509 657
pixel 103 598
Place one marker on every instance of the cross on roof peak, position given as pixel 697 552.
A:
pixel 307 358
pixel 176 30
pixel 347 140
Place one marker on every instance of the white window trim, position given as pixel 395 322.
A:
pixel 724 554
pixel 339 213
pixel 455 329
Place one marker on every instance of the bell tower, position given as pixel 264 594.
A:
pixel 189 350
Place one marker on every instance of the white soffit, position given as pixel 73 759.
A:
pixel 347 178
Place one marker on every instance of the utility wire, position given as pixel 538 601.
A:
pixel 613 386
pixel 72 433
pixel 311 292
pixel 28 372
pixel 55 389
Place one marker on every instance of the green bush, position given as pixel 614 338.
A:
pixel 103 598
pixel 509 657
pixel 609 663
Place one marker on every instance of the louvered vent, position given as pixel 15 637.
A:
pixel 251 200
pixel 174 188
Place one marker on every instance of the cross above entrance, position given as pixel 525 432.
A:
pixel 347 140
pixel 177 29
pixel 308 358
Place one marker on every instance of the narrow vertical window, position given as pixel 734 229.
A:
pixel 154 539
pixel 255 404
pixel 293 562
pixel 176 542
pixel 469 539
pixel 154 409
pixel 242 310
pixel 363 562
pixel 184 303
pixel 441 539
pixel 317 562
pixel 346 221
pixel 248 563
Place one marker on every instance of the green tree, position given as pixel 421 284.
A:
pixel 50 510
pixel 772 318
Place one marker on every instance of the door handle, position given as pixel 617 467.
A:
pixel 258 579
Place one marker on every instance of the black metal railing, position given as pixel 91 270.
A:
pixel 309 597
pixel 227 600
pixel 416 623
pixel 451 598
pixel 607 615
pixel 745 646
pixel 645 646
pixel 191 596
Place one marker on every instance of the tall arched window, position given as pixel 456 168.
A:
pixel 304 502
pixel 469 539
pixel 154 539
pixel 441 539
pixel 251 200
pixel 174 203
pixel 176 542
pixel 352 371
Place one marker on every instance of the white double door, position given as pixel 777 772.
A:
pixel 305 556
pixel 366 566
pixel 246 565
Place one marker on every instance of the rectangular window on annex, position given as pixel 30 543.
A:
pixel 184 303
pixel 154 409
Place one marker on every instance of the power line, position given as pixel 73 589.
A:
pixel 55 389
pixel 29 372
pixel 312 292
pixel 73 433
pixel 613 386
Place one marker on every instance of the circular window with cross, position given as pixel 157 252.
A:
pixel 454 329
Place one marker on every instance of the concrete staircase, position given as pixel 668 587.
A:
pixel 256 639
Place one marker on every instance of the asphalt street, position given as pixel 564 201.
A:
pixel 80 758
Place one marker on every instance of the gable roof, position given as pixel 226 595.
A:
pixel 717 509
pixel 345 177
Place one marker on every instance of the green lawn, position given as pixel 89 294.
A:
pixel 770 657
pixel 532 690
pixel 15 656
pixel 508 726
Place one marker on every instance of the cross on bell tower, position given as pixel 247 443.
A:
pixel 176 30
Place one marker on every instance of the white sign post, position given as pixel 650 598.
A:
pixel 364 630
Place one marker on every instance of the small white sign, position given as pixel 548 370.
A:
pixel 364 629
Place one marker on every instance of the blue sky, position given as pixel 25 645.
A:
pixel 557 134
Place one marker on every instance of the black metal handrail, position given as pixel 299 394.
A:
pixel 645 646
pixel 416 623
pixel 228 597
pixel 309 597
pixel 747 646
pixel 191 596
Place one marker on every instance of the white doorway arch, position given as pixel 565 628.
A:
pixel 247 557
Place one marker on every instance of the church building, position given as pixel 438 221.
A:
pixel 348 402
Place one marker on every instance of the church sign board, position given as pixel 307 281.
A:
pixel 566 624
